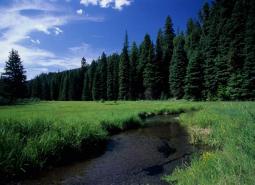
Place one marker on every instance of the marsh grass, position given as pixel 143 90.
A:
pixel 231 135
pixel 36 135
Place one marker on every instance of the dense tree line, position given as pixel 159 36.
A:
pixel 213 59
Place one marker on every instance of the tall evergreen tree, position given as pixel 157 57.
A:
pixel 36 88
pixel 64 96
pixel 54 87
pixel 110 78
pixel 103 77
pixel 86 92
pixel 124 72
pixel 178 68
pixel 210 51
pixel 160 65
pixel 248 86
pixel 96 89
pixel 91 76
pixel 116 59
pixel 168 52
pixel 150 80
pixel 133 72
pixel 193 81
pixel 15 76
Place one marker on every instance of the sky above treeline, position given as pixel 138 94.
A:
pixel 53 35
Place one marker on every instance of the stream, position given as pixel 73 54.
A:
pixel 135 157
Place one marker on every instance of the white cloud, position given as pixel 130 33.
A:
pixel 119 4
pixel 79 12
pixel 35 41
pixel 105 3
pixel 116 4
pixel 15 27
pixel 57 31
pixel 88 2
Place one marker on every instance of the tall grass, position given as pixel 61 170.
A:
pixel 33 136
pixel 232 136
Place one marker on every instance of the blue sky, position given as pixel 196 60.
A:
pixel 53 35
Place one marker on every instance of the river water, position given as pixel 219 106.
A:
pixel 136 157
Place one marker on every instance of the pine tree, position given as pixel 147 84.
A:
pixel 210 52
pixel 221 60
pixel 193 81
pixel 133 72
pixel 15 76
pixel 124 72
pixel 64 96
pixel 193 35
pixel 103 77
pixel 110 78
pixel 45 94
pixel 71 86
pixel 160 65
pixel 36 88
pixel 86 93
pixel 54 87
pixel 234 87
pixel 168 52
pixel 178 68
pixel 149 75
pixel 91 73
pixel 248 86
pixel 116 59
pixel 96 89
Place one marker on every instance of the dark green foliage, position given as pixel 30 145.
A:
pixel 235 86
pixel 178 68
pixel 86 93
pixel 96 89
pixel 124 72
pixel 167 54
pixel 160 67
pixel 110 77
pixel 248 86
pixel 54 86
pixel 103 77
pixel 147 69
pixel 133 72
pixel 193 35
pixel 14 77
pixel 90 79
pixel 193 81
pixel 210 52
pixel 45 88
pixel 64 87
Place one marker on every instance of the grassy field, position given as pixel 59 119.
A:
pixel 32 136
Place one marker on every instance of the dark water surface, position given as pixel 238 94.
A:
pixel 136 157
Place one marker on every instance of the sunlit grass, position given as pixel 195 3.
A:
pixel 32 135
pixel 231 136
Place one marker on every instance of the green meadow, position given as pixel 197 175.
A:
pixel 33 136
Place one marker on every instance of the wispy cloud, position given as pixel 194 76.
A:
pixel 16 27
pixel 116 4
